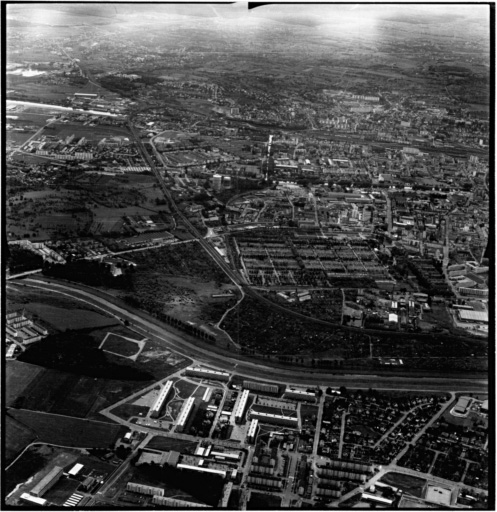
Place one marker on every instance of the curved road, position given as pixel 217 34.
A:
pixel 205 354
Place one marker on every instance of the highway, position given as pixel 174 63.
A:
pixel 220 358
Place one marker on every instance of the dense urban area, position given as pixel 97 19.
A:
pixel 247 256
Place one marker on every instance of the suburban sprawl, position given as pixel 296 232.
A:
pixel 247 259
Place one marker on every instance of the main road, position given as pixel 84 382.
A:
pixel 207 354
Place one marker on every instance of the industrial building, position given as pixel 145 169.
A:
pixel 234 457
pixel 75 469
pixel 300 394
pixel 240 408
pixel 48 481
pixel 376 499
pixel 151 456
pixel 261 386
pixel 156 408
pixel 144 489
pixel 207 374
pixel 276 419
pixel 32 500
pixel 252 431
pixel 184 414
pixel 472 316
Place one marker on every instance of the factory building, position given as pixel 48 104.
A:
pixel 156 408
pixel 252 431
pixel 184 414
pixel 473 316
pixel 261 386
pixel 207 374
pixel 48 481
pixel 240 408
pixel 276 419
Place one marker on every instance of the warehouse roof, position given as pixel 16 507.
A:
pixel 476 316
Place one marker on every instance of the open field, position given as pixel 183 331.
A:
pixel 63 319
pixel 67 431
pixel 17 437
pixel 18 376
pixel 92 134
pixel 53 391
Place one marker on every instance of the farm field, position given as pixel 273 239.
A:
pixel 17 437
pixel 66 431
pixel 36 89
pixel 59 392
pixel 18 376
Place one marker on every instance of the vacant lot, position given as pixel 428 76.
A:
pixel 66 431
pixel 169 443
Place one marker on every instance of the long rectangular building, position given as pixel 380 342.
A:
pixel 207 374
pixel 184 414
pixel 202 469
pixel 48 481
pixel 32 500
pixel 145 489
pixel 277 419
pixel 261 386
pixel 300 394
pixel 242 404
pixel 156 408
pixel 252 431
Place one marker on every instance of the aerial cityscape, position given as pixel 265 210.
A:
pixel 247 256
